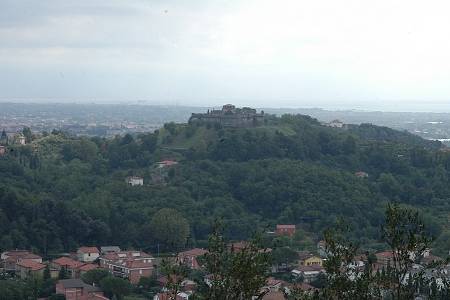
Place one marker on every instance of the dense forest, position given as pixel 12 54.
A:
pixel 59 191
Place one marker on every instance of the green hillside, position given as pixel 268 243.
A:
pixel 60 192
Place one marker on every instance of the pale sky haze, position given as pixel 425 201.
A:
pixel 384 54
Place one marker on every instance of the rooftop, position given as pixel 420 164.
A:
pixel 67 262
pixel 31 264
pixel 285 226
pixel 88 250
pixel 77 283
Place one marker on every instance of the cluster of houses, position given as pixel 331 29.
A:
pixel 131 265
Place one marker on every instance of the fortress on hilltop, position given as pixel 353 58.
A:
pixel 230 116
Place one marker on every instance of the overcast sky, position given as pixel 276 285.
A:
pixel 384 54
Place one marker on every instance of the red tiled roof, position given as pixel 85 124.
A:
pixel 136 264
pixel 384 254
pixel 67 262
pixel 31 256
pixel 88 250
pixel 283 226
pixel 274 296
pixel 15 254
pixel 167 296
pixel 87 267
pixel 31 264
pixel 272 281
pixel 124 255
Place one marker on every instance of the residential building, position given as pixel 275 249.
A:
pixel 109 249
pixel 273 284
pixel 68 263
pixel 166 163
pixel 361 174
pixel 29 268
pixel 288 230
pixel 308 273
pixel 128 264
pixel 385 258
pixel 134 181
pixel 75 289
pixel 274 295
pixel 306 258
pixel 20 139
pixel 9 259
pixel 88 254
pixel 189 257
pixel 2 150
pixel 79 271
pixel 335 124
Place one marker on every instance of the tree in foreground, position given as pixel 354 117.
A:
pixel 405 234
pixel 94 276
pixel 235 273
pixel 115 287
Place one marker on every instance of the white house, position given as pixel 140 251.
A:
pixel 134 181
pixel 88 254
pixel 335 124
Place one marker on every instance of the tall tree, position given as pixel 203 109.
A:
pixel 405 233
pixel 236 273
pixel 170 228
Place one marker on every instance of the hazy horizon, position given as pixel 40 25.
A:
pixel 364 55
pixel 412 108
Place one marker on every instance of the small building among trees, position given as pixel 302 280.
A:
pixel 134 181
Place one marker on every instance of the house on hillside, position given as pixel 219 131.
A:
pixel 305 258
pixel 20 139
pixel 128 264
pixel 166 163
pixel 385 258
pixel 9 259
pixel 68 263
pixel 361 174
pixel 75 289
pixel 288 230
pixel 109 249
pixel 29 268
pixel 79 271
pixel 335 124
pixel 134 181
pixel 308 273
pixel 88 254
